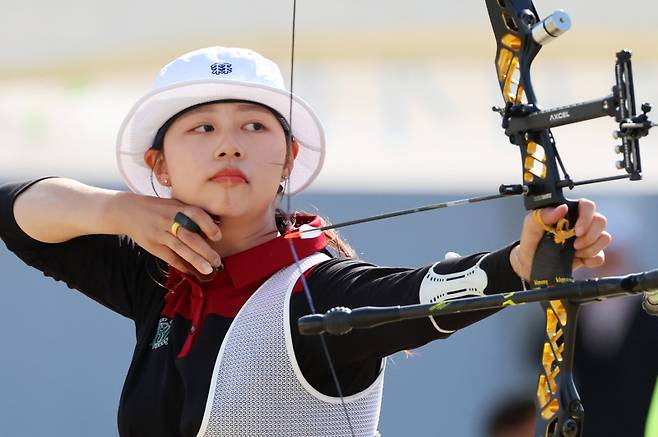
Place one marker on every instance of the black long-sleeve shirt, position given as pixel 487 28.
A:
pixel 164 393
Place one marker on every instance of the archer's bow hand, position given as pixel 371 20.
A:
pixel 590 237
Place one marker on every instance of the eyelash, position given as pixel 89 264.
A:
pixel 204 126
pixel 261 127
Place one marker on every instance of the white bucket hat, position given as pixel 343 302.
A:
pixel 206 75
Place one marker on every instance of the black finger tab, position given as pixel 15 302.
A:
pixel 187 223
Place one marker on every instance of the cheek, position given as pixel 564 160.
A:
pixel 267 177
pixel 179 166
pixel 182 157
pixel 270 159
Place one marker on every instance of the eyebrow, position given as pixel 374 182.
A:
pixel 244 107
pixel 241 107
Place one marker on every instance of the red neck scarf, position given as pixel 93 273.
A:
pixel 243 273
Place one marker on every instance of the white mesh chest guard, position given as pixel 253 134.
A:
pixel 257 388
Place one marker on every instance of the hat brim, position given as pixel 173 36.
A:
pixel 138 129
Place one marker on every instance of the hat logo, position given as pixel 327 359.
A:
pixel 221 68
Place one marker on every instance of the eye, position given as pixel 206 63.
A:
pixel 204 128
pixel 255 126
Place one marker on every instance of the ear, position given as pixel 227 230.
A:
pixel 155 160
pixel 294 150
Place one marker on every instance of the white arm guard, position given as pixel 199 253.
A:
pixel 438 288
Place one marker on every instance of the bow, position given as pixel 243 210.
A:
pixel 520 34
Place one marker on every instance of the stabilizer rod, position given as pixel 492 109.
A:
pixel 341 320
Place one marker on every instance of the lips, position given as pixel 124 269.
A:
pixel 229 176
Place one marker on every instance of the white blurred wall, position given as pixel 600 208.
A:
pixel 404 90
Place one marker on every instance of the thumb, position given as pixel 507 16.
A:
pixel 550 216
pixel 533 232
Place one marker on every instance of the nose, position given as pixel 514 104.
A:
pixel 228 149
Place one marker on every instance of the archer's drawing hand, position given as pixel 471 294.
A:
pixel 148 220
pixel 591 237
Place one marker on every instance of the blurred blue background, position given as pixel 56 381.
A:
pixel 64 356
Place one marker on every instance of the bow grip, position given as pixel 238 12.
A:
pixel 560 412
pixel 553 262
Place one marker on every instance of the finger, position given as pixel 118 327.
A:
pixel 197 243
pixel 577 263
pixel 189 255
pixel 586 210
pixel 601 243
pixel 208 226
pixel 596 228
pixel 175 261
pixel 550 216
pixel 596 261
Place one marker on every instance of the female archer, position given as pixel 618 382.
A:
pixel 196 256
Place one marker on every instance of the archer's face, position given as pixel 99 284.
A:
pixel 242 142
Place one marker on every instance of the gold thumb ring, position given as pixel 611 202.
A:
pixel 174 228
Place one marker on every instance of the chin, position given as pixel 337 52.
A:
pixel 232 201
pixel 228 206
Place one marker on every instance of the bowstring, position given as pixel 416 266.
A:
pixel 293 251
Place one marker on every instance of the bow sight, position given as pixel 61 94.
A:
pixel 523 119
